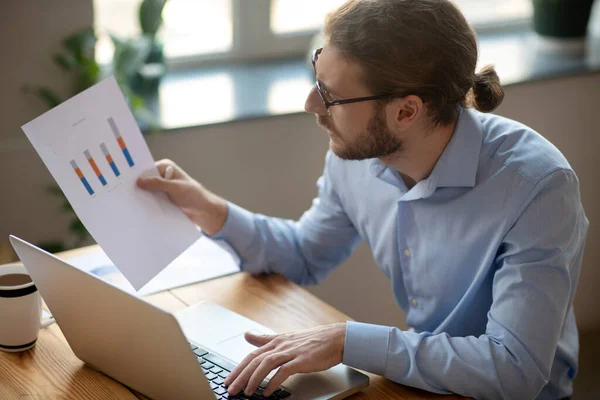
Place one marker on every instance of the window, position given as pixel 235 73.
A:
pixel 197 31
pixel 295 16
pixel 482 13
pixel 180 101
pixel 187 25
pixel 288 16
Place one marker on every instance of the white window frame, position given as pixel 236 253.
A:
pixel 254 41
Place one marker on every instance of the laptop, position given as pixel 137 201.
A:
pixel 162 355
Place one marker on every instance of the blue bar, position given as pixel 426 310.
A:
pixel 114 168
pixel 102 180
pixel 128 157
pixel 87 186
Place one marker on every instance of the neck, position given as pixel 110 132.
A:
pixel 420 154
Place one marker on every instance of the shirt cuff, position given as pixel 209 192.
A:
pixel 238 232
pixel 366 347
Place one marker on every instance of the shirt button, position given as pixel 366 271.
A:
pixel 407 252
pixel 414 302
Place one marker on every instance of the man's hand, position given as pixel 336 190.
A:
pixel 203 207
pixel 311 350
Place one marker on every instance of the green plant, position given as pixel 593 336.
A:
pixel 128 58
pixel 147 78
pixel 150 16
pixel 129 55
pixel 77 58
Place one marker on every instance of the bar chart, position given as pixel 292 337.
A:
pixel 99 169
pixel 121 141
pixel 109 159
pixel 94 166
pixel 81 177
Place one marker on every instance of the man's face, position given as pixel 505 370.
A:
pixel 357 131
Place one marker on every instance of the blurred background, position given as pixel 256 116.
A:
pixel 219 87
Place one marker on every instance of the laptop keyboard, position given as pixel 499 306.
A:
pixel 216 370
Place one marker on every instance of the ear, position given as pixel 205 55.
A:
pixel 408 110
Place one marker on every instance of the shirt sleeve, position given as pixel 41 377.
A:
pixel 533 288
pixel 304 251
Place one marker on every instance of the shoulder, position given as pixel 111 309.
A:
pixel 519 149
pixel 528 167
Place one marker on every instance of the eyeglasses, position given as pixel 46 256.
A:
pixel 328 103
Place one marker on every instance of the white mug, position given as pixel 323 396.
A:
pixel 20 309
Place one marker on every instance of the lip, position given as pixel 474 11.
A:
pixel 330 133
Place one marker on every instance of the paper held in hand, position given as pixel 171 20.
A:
pixel 95 151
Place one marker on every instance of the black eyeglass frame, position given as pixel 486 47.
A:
pixel 329 103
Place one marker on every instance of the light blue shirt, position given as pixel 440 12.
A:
pixel 483 256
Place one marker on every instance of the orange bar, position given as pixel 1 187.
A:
pixel 94 166
pixel 109 159
pixel 79 173
pixel 121 143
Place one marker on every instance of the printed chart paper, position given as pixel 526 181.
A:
pixel 95 151
pixel 202 261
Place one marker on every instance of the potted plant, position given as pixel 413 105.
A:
pixel 561 19
pixel 147 78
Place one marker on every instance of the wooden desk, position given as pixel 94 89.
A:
pixel 50 370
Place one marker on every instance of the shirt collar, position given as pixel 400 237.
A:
pixel 456 167
pixel 458 164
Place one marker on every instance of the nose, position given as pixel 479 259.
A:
pixel 314 104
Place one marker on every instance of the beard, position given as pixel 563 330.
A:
pixel 377 141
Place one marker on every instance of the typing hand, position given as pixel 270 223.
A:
pixel 203 207
pixel 311 350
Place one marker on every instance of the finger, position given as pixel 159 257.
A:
pixel 154 184
pixel 258 340
pixel 285 371
pixel 241 366
pixel 165 164
pixel 168 172
pixel 241 381
pixel 268 364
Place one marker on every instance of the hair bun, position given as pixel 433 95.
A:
pixel 487 90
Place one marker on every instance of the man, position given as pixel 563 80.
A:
pixel 476 219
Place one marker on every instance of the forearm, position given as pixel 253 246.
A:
pixel 479 367
pixel 304 252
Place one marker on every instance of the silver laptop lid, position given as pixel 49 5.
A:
pixel 116 333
